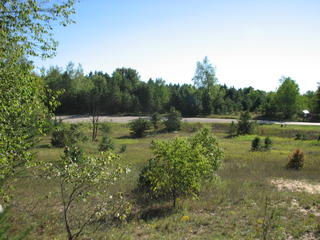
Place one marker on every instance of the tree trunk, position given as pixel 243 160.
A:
pixel 95 123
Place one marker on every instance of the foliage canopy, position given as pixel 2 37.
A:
pixel 25 103
pixel 179 166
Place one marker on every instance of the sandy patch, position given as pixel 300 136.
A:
pixel 305 211
pixel 296 186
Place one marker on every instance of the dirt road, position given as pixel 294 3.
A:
pixel 126 119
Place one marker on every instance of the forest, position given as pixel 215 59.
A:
pixel 123 92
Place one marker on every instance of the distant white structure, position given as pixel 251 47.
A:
pixel 305 113
pixel 1 209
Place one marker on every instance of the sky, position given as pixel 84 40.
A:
pixel 250 42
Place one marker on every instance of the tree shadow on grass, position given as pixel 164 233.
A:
pixel 149 209
pixel 156 212
pixel 125 137
pixel 46 145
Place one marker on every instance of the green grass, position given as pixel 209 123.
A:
pixel 231 207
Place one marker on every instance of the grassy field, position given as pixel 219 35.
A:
pixel 242 203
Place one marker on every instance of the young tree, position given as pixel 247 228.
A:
pixel 95 97
pixel 244 125
pixel 173 122
pixel 25 29
pixel 179 166
pixel 83 179
pixel 64 135
pixel 232 131
pixel 205 75
pixel 256 144
pixel 205 79
pixel 316 103
pixel 106 144
pixel 155 120
pixel 139 127
pixel 267 143
pixel 296 160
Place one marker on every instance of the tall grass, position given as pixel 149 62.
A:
pixel 230 207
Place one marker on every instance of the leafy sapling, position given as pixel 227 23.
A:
pixel 179 166
pixel 84 179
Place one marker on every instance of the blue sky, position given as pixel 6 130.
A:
pixel 251 43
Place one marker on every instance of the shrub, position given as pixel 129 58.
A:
pixel 59 137
pixel 245 126
pixel 139 127
pixel 232 131
pixel 179 165
pixel 296 160
pixel 123 148
pixel 106 144
pixel 105 127
pixel 300 136
pixel 173 122
pixel 191 127
pixel 63 135
pixel 256 144
pixel 267 143
pixel 155 120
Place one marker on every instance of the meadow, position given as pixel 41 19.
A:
pixel 254 195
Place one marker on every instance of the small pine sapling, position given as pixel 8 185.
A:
pixel 106 144
pixel 296 160
pixel 267 143
pixel 256 144
pixel 123 148
pixel 232 129
pixel 155 120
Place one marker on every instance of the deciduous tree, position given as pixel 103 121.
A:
pixel 25 30
pixel 179 166
pixel 83 178
pixel 287 98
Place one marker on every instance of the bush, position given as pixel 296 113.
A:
pixel 245 126
pixel 139 127
pixel 179 166
pixel 106 144
pixel 267 143
pixel 191 127
pixel 173 122
pixel 296 160
pixel 300 136
pixel 155 120
pixel 105 128
pixel 256 144
pixel 232 131
pixel 123 148
pixel 63 135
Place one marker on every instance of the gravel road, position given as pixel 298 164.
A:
pixel 126 119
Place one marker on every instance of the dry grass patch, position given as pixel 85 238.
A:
pixel 296 185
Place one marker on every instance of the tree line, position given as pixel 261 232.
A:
pixel 123 92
